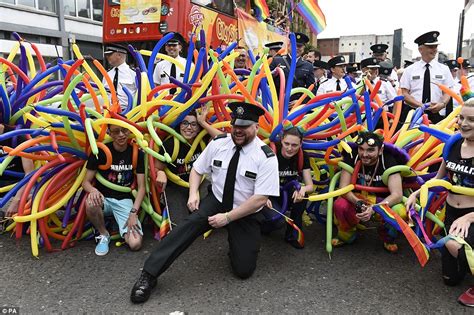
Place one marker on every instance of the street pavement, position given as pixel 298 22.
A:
pixel 361 278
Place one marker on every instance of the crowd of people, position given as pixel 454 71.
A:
pixel 244 192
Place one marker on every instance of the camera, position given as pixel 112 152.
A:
pixel 360 206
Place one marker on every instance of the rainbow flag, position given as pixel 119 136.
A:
pixel 312 14
pixel 262 12
pixel 300 238
pixel 165 226
pixel 397 222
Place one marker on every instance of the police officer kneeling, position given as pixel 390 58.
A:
pixel 244 174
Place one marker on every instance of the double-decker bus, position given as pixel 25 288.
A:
pixel 142 23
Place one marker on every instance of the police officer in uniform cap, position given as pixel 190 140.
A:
pixel 165 69
pixel 304 76
pixel 417 80
pixel 379 51
pixel 353 72
pixel 387 90
pixel 407 63
pixel 274 48
pixel 244 174
pixel 319 68
pixel 370 69
pixel 337 67
pixel 121 75
pixel 453 66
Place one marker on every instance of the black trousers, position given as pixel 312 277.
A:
pixel 243 237
pixel 454 269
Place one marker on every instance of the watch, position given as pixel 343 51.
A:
pixel 134 210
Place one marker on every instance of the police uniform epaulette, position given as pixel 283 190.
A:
pixel 221 136
pixel 268 151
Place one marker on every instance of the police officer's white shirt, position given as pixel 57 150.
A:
pixel 470 79
pixel 394 78
pixel 126 78
pixel 386 91
pixel 163 71
pixel 457 89
pixel 257 174
pixel 413 77
pixel 330 86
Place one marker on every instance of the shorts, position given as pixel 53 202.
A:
pixel 121 211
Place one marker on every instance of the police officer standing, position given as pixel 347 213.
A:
pixel 304 76
pixel 337 66
pixel 244 173
pixel 274 48
pixel 417 80
pixel 121 74
pixel 379 51
pixel 165 69
pixel 319 68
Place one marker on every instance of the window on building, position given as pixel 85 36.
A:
pixel 349 44
pixel 355 44
pixel 28 3
pixel 69 7
pixel 84 8
pixel 342 44
pixel 97 10
pixel 47 5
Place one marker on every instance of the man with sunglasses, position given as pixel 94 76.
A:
pixel 103 200
pixel 165 69
pixel 244 174
pixel 121 74
pixel 370 162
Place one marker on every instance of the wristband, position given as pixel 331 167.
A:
pixel 134 210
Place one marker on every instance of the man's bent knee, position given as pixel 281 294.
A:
pixel 242 271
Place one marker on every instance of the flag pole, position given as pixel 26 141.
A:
pixel 169 215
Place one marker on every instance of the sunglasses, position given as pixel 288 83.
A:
pixel 372 140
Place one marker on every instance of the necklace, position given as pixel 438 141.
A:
pixel 373 174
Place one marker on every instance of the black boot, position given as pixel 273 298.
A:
pixel 142 289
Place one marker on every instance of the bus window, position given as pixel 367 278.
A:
pixel 224 6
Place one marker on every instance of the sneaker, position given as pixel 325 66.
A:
pixel 467 298
pixel 390 247
pixel 142 289
pixel 102 247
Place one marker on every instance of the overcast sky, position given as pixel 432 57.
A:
pixel 380 17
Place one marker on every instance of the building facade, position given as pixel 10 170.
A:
pixel 53 25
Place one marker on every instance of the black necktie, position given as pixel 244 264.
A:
pixel 338 86
pixel 228 195
pixel 426 85
pixel 173 74
pixel 116 79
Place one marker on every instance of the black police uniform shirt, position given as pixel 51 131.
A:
pixel 16 164
pixel 460 170
pixel 385 162
pixel 303 77
pixel 288 168
pixel 121 171
pixel 181 168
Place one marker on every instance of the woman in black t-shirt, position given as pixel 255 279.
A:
pixel 189 128
pixel 459 168
pixel 291 169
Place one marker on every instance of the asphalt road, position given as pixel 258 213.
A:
pixel 360 278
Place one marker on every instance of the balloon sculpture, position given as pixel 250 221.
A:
pixel 61 131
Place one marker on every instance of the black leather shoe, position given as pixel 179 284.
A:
pixel 142 289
